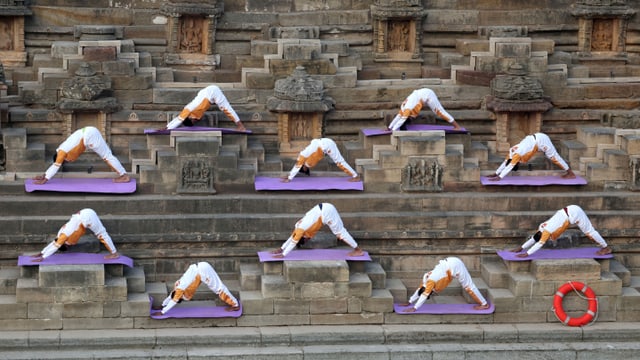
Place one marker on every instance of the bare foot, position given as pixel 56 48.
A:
pixel 285 179
pixel 232 308
pixel 112 256
pixel 122 179
pixel 604 251
pixel 409 310
pixel 356 252
pixel 481 307
pixel 523 255
pixel 355 179
pixel 240 126
pixel 569 175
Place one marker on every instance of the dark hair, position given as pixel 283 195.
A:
pixel 305 170
pixel 302 241
pixel 173 293
pixel 187 122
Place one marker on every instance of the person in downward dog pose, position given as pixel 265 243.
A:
pixel 194 111
pixel 557 224
pixel 412 105
pixel 439 278
pixel 313 153
pixel 186 287
pixel 70 233
pixel 307 227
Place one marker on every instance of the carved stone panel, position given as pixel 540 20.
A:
pixel 196 175
pixel 422 174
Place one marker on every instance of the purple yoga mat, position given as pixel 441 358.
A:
pixel 546 254
pixel 447 128
pixel 194 128
pixel 533 181
pixel 304 182
pixel 442 309
pixel 181 312
pixel 75 259
pixel 376 132
pixel 314 254
pixel 87 185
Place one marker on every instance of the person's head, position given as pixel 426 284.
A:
pixel 188 122
pixel 302 241
pixel 305 170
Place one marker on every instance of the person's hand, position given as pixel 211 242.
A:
pixel 409 310
pixel 40 180
pixel 522 255
pixel 37 259
pixel 278 256
pixel 516 250
pixel 481 307
pixel 405 304
pixel 285 179
pixel 157 313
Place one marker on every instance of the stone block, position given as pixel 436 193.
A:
pixel 97 323
pixel 630 143
pixel 513 50
pixel 592 136
pixel 10 309
pixel 250 277
pixel 99 53
pixel 92 309
pixel 110 269
pixel 202 146
pixel 14 138
pixel 125 67
pixel 136 305
pixel 288 306
pixel 314 290
pixel 359 285
pixel 578 269
pixel 157 291
pixel 275 286
pixel 71 275
pixel 273 320
pixel 27 290
pixel 381 301
pixel 503 299
pixel 351 319
pixel 377 275
pixel 61 48
pixel 136 282
pixel 8 280
pixel 44 311
pixel 139 81
pixel 316 271
pixel 422 145
pixel 254 304
pixel 329 306
pixel 397 289
pixel 31 324
pixel 354 305
pixel 495 273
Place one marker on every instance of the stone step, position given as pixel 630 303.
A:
pixel 557 270
pixel 298 342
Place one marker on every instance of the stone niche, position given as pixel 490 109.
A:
pixel 300 105
pixel 12 49
pixel 602 26
pixel 191 31
pixel 518 101
pixel 397 33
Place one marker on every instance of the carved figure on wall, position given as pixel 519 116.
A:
pixel 422 175
pixel 197 176
pixel 6 36
pixel 398 37
pixel 191 35
pixel 602 35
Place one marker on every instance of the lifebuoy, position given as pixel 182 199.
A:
pixel 588 316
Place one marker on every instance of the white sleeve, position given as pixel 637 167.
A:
pixel 288 246
pixel 174 123
pixel 535 248
pixel 169 306
pixel 49 250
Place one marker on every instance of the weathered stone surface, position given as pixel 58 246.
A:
pixel 316 271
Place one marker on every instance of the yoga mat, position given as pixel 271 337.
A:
pixel 181 311
pixel 87 185
pixel 195 129
pixel 443 309
pixel 75 259
pixel 418 127
pixel 533 181
pixel 314 254
pixel 447 128
pixel 547 254
pixel 376 132
pixel 303 182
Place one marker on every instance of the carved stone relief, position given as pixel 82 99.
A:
pixel 423 174
pixel 191 34
pixel 6 35
pixel 196 176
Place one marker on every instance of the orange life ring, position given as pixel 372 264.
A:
pixel 588 316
